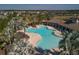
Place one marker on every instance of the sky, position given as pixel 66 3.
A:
pixel 40 6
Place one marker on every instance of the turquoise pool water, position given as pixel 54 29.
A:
pixel 49 40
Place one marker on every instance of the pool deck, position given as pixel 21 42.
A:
pixel 34 38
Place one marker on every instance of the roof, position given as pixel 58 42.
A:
pixel 73 26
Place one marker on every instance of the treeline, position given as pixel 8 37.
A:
pixel 4 22
pixel 46 11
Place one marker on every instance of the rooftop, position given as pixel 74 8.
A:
pixel 73 26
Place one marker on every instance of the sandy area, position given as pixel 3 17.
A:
pixel 34 37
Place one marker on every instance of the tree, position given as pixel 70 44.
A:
pixel 70 43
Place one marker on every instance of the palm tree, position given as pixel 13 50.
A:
pixel 70 42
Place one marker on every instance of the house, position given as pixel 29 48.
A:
pixel 72 20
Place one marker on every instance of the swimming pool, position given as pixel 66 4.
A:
pixel 49 40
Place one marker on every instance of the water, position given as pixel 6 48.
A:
pixel 49 40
